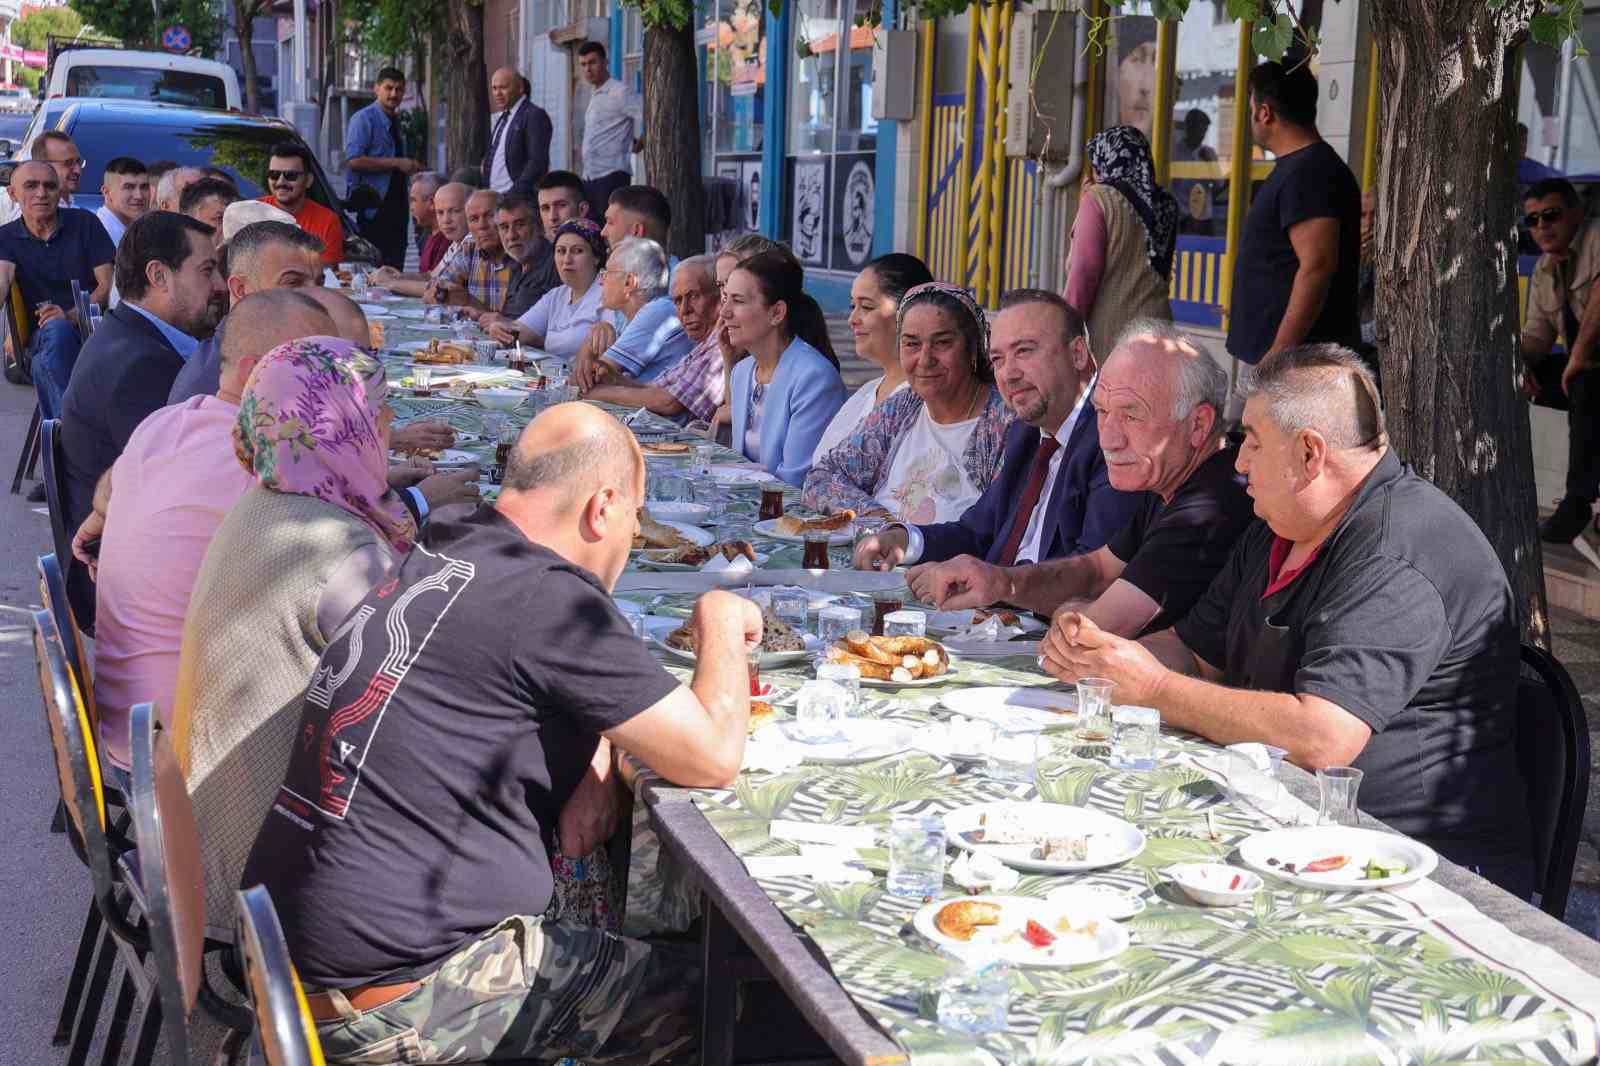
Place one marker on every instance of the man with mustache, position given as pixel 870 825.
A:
pixel 1158 404
pixel 289 175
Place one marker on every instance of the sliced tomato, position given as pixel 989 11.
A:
pixel 1322 866
pixel 1038 935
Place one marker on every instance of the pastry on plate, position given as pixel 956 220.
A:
pixel 776 635
pixel 654 534
pixel 961 919
pixel 795 526
pixel 761 713
pixel 665 447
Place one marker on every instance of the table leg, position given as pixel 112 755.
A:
pixel 719 1005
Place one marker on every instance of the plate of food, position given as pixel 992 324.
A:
pixel 451 458
pixel 729 474
pixel 1047 838
pixel 664 447
pixel 893 662
pixel 780 643
pixel 1022 931
pixel 695 556
pixel 442 353
pixel 963 621
pixel 1339 858
pixel 661 533
pixel 1015 706
pixel 792 527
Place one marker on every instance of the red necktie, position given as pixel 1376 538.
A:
pixel 1030 499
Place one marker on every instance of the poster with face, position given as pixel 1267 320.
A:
pixel 752 194
pixel 854 194
pixel 810 203
pixel 1131 96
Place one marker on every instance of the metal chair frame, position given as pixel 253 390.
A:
pixel 80 304
pixel 17 330
pixel 1560 808
pixel 287 1036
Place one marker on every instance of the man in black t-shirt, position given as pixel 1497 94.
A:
pixel 1297 274
pixel 1158 405
pixel 458 727
pixel 1365 621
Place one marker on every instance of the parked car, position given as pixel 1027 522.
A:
pixel 15 99
pixel 152 77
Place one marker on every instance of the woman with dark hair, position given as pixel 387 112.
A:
pixel 563 317
pixel 874 299
pixel 927 454
pixel 784 395
pixel 1119 265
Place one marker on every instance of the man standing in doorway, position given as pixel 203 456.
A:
pixel 1301 255
pixel 612 130
pixel 377 158
pixel 519 142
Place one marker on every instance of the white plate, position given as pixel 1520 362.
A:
pixel 1112 840
pixel 1112 902
pixel 769 528
pixel 652 564
pixel 739 475
pixel 953 621
pixel 1310 843
pixel 1005 940
pixel 1015 706
pixel 657 627
pixel 993 649
pixel 945 678
pixel 455 457
pixel 693 534
pixel 410 312
pixel 678 511
pixel 409 346
pixel 863 740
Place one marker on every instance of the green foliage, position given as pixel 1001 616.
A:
pixel 393 29
pixel 31 29
pixel 1556 23
pixel 135 24
pixel 668 14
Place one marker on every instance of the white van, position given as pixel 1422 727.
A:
pixel 148 77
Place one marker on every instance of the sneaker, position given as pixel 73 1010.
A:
pixel 1569 520
pixel 36 494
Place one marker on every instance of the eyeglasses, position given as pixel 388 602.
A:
pixel 1549 216
pixel 75 163
pixel 285 175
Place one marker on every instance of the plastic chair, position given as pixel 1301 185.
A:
pixel 72 740
pixel 19 328
pixel 80 304
pixel 53 594
pixel 174 891
pixel 284 1028
pixel 55 493
pixel 1553 754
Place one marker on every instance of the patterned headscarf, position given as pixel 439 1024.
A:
pixel 308 424
pixel 590 232
pixel 1121 159
pixel 957 301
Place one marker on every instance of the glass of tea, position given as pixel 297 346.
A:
pixel 883 605
pixel 816 557
pixel 753 664
pixel 772 500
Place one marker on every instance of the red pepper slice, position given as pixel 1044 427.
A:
pixel 1234 884
pixel 1322 866
pixel 1038 935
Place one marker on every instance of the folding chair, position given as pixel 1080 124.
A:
pixel 19 328
pixel 80 304
pixel 175 898
pixel 1553 754
pixel 53 594
pixel 72 740
pixel 55 492
pixel 284 1029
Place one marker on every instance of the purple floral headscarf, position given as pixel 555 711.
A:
pixel 959 302
pixel 590 232
pixel 308 424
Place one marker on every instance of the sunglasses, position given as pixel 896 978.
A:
pixel 1549 216
pixel 285 175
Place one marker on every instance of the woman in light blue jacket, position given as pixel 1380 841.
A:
pixel 784 394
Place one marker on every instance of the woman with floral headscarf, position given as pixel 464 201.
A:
pixel 563 317
pixel 1119 264
pixel 926 454
pixel 302 547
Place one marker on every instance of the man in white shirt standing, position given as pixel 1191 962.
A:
pixel 519 140
pixel 612 130
pixel 127 195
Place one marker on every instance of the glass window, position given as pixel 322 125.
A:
pixel 858 130
pixel 814 83
pixel 136 83
pixel 1202 120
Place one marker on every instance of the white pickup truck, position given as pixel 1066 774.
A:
pixel 148 77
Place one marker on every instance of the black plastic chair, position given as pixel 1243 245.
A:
pixel 175 897
pixel 284 1029
pixel 28 460
pixel 53 594
pixel 55 492
pixel 19 330
pixel 1553 754
pixel 80 304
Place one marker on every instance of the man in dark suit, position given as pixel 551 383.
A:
pixel 1052 497
pixel 173 296
pixel 519 142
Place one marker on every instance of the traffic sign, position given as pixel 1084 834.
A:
pixel 176 39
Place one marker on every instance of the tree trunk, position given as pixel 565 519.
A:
pixel 1448 325
pixel 244 25
pixel 672 132
pixel 466 85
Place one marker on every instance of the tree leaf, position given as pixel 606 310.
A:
pixel 1300 1034
pixel 1272 36
pixel 1171 10
pixel 1249 10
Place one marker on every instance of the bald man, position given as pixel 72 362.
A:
pixel 175 481
pixel 450 214
pixel 519 139
pixel 477 279
pixel 493 739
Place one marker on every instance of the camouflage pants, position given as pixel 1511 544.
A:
pixel 534 989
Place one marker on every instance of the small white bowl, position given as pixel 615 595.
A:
pixel 679 511
pixel 1208 883
pixel 500 399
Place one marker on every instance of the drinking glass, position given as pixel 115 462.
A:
pixel 433 314
pixel 819 708
pixel 789 605
pixel 1338 785
pixel 703 456
pixel 905 624
pixel 977 999
pixel 772 500
pixel 1094 708
pixel 916 855
pixel 885 603
pixel 1133 737
pixel 483 352
pixel 1014 755
pixel 359 282
pixel 421 376
pixel 752 660
pixel 834 621
pixel 673 488
pixel 461 330
pixel 816 550
pixel 848 677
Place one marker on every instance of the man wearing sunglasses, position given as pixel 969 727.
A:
pixel 1561 304
pixel 288 182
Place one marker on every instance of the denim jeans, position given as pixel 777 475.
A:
pixel 54 349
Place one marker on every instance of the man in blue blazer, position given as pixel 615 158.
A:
pixel 519 142
pixel 1051 498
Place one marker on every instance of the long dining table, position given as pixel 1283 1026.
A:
pixel 1443 969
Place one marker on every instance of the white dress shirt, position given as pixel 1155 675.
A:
pixel 609 130
pixel 500 178
pixel 114 225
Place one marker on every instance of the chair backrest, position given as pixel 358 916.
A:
pixel 53 592
pixel 1553 754
pixel 80 304
pixel 283 1020
pixel 55 490
pixel 19 320
pixel 170 872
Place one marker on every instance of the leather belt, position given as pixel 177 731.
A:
pixel 362 998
